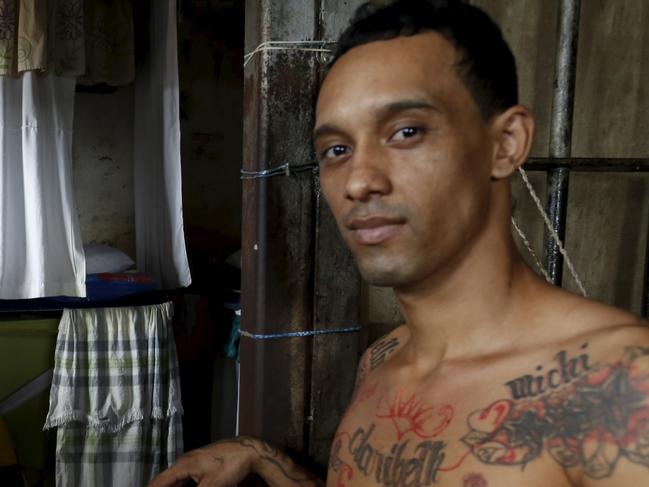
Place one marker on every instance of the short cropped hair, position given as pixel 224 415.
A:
pixel 486 64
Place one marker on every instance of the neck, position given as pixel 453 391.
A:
pixel 473 309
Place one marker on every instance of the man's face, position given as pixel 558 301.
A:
pixel 405 158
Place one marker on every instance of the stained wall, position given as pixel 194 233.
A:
pixel 102 148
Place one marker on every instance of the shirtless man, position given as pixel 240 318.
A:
pixel 496 378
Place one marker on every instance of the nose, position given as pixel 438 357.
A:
pixel 368 175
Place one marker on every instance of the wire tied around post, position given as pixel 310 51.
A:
pixel 298 334
pixel 283 170
pixel 319 47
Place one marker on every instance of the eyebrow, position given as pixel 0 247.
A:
pixel 384 111
pixel 403 105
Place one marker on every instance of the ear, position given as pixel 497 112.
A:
pixel 513 131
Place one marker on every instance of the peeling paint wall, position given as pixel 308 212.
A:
pixel 211 80
pixel 103 168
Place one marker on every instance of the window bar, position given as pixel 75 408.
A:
pixel 645 294
pixel 561 132
pixel 588 164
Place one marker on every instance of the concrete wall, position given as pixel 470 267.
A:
pixel 103 168
pixel 210 70
pixel 211 80
pixel 608 213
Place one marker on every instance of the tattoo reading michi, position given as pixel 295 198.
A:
pixel 583 415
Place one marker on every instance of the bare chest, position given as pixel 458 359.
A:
pixel 409 438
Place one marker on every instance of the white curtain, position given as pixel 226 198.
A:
pixel 40 246
pixel 160 240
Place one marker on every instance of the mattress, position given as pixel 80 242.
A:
pixel 106 289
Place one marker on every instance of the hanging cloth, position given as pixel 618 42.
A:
pixel 109 43
pixel 115 396
pixel 41 253
pixel 160 239
pixel 42 36
pixel 91 40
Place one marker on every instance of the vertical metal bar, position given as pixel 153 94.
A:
pixel 556 206
pixel 645 295
pixel 561 131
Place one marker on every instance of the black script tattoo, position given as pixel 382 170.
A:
pixel 338 466
pixel 381 350
pixel 401 466
pixel 593 421
pixel 280 460
pixel 565 372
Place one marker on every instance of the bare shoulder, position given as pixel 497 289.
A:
pixel 608 342
pixel 614 389
pixel 576 397
pixel 562 316
pixel 606 329
pixel 593 393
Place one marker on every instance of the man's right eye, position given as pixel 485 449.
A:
pixel 334 151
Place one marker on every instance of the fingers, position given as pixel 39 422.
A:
pixel 221 464
pixel 172 477
pixel 210 482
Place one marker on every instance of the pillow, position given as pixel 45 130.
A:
pixel 104 258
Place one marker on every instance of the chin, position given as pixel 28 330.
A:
pixel 383 277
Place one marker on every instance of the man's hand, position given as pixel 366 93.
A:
pixel 220 464
pixel 228 462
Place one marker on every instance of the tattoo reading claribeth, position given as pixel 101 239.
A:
pixel 595 417
pixel 393 469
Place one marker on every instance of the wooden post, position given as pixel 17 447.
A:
pixel 297 275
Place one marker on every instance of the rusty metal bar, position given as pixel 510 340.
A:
pixel 587 164
pixel 277 266
pixel 561 132
pixel 645 296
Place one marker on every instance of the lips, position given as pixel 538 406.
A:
pixel 374 230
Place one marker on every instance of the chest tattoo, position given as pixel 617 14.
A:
pixel 590 416
pixel 381 350
pixel 564 372
pixel 584 416
pixel 405 464
pixel 409 414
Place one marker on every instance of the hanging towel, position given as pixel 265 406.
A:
pixel 115 396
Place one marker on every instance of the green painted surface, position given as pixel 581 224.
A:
pixel 27 350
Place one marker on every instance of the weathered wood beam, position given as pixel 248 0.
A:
pixel 297 274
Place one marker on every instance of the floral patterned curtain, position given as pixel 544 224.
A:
pixel 91 40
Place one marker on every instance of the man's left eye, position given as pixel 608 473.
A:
pixel 406 133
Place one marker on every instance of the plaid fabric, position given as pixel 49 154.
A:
pixel 115 396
